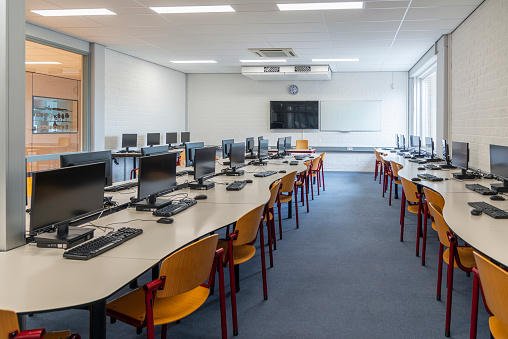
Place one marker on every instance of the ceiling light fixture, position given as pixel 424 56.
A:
pixel 193 9
pixel 339 60
pixel 265 60
pixel 74 12
pixel 320 6
pixel 42 63
pixel 194 62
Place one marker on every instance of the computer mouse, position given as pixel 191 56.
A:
pixel 200 197
pixel 416 179
pixel 282 171
pixel 475 211
pixel 497 197
pixel 421 168
pixel 165 220
pixel 249 181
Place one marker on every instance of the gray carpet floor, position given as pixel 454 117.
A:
pixel 342 274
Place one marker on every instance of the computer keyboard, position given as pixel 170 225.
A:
pixel 429 177
pixel 102 244
pixel 265 174
pixel 481 189
pixel 236 185
pixel 174 208
pixel 293 162
pixel 121 187
pixel 432 167
pixel 492 211
pixel 422 161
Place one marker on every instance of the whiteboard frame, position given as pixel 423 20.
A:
pixel 349 130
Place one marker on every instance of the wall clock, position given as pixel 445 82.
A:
pixel 293 89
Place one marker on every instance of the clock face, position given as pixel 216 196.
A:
pixel 293 89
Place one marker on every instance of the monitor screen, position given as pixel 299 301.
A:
pixel 280 145
pixel 287 144
pixel 226 144
pixel 171 138
pixel 460 154
pixel 65 194
pixel 428 143
pixel 263 149
pixel 185 137
pixel 145 151
pixel 157 174
pixel 237 155
pixel 153 139
pixel 402 141
pixel 415 141
pixel 249 145
pixel 499 161
pixel 397 141
pixel 204 162
pixel 190 148
pixel 294 114
pixel 76 159
pixel 129 140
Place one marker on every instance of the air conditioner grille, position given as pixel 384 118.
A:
pixel 302 69
pixel 271 69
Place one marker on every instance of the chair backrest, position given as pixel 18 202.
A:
pixel 322 156
pixel 247 226
pixel 288 182
pixel 315 163
pixel 8 323
pixel 494 282
pixel 378 155
pixel 28 186
pixel 182 158
pixel 302 144
pixel 441 226
pixel 410 190
pixel 435 198
pixel 274 190
pixel 395 168
pixel 189 267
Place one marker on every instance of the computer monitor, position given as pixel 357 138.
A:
pixel 499 166
pixel 190 148
pixel 249 145
pixel 403 141
pixel 171 138
pixel 157 175
pixel 260 138
pixel 77 159
pixel 237 155
pixel 415 143
pixel 460 158
pixel 185 137
pixel 287 145
pixel 153 139
pixel 446 152
pixel 226 144
pixel 280 146
pixel 145 151
pixel 397 141
pixel 263 149
pixel 129 140
pixel 62 195
pixel 204 167
pixel 429 146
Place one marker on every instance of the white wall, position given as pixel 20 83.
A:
pixel 233 106
pixel 141 97
pixel 479 81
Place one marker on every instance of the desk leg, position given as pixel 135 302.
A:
pixel 98 319
pixel 124 169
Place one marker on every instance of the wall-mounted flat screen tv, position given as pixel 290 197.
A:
pixel 294 114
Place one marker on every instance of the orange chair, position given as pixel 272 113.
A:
pixel 9 328
pixel 379 165
pixel 239 249
pixel 387 173
pixel 302 144
pixel 438 201
pixel 314 174
pixel 287 187
pixel 414 200
pixel 181 289
pixel 269 217
pixel 394 177
pixel 302 181
pixel 455 256
pixel 321 167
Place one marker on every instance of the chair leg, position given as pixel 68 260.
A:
pixel 269 231
pixel 237 278
pixel 474 308
pixel 263 260
pixel 323 177
pixel 375 171
pixel 290 209
pixel 164 331
pixel 312 188
pixel 307 196
pixel 272 229
pixel 296 211
pixel 233 290
pixel 424 240
pixel 318 180
pixel 280 219
pixel 402 214
pixel 439 272
pixel 222 294
pixel 396 195
pixel 450 289
pixel 419 226
pixel 380 172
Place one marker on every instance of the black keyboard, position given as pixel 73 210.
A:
pixel 236 185
pixel 102 244
pixel 422 161
pixel 265 174
pixel 293 162
pixel 492 211
pixel 175 208
pixel 121 187
pixel 481 189
pixel 429 177
pixel 432 167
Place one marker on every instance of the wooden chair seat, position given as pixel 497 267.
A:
pixel 497 328
pixel 465 254
pixel 414 209
pixel 57 335
pixel 270 217
pixel 398 182
pixel 241 253
pixel 166 310
pixel 285 198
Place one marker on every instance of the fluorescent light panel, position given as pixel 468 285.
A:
pixel 265 60
pixel 42 63
pixel 339 60
pixel 74 12
pixel 320 6
pixel 194 61
pixel 193 9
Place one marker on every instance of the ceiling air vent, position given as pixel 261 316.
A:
pixel 271 69
pixel 274 52
pixel 302 69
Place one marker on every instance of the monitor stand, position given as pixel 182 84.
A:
pixel 259 163
pixel 278 156
pixel 151 203
pixel 201 184
pixel 502 187
pixel 463 175
pixel 251 156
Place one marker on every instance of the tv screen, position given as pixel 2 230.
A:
pixel 294 114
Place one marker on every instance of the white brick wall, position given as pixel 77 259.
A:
pixel 234 106
pixel 479 81
pixel 141 97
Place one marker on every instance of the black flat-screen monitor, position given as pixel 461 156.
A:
pixel 287 144
pixel 157 175
pixel 397 141
pixel 237 155
pixel 190 148
pixel 415 141
pixel 172 138
pixel 460 154
pixel 499 165
pixel 153 139
pixel 249 145
pixel 429 146
pixel 129 140
pixel 263 149
pixel 145 151
pixel 185 137
pixel 90 158
pixel 294 114
pixel 62 195
pixel 226 144
pixel 280 145
pixel 403 141
pixel 204 163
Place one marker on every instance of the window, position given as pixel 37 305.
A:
pixel 423 120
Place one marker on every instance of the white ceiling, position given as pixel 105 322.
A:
pixel 388 35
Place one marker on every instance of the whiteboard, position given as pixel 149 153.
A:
pixel 351 116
